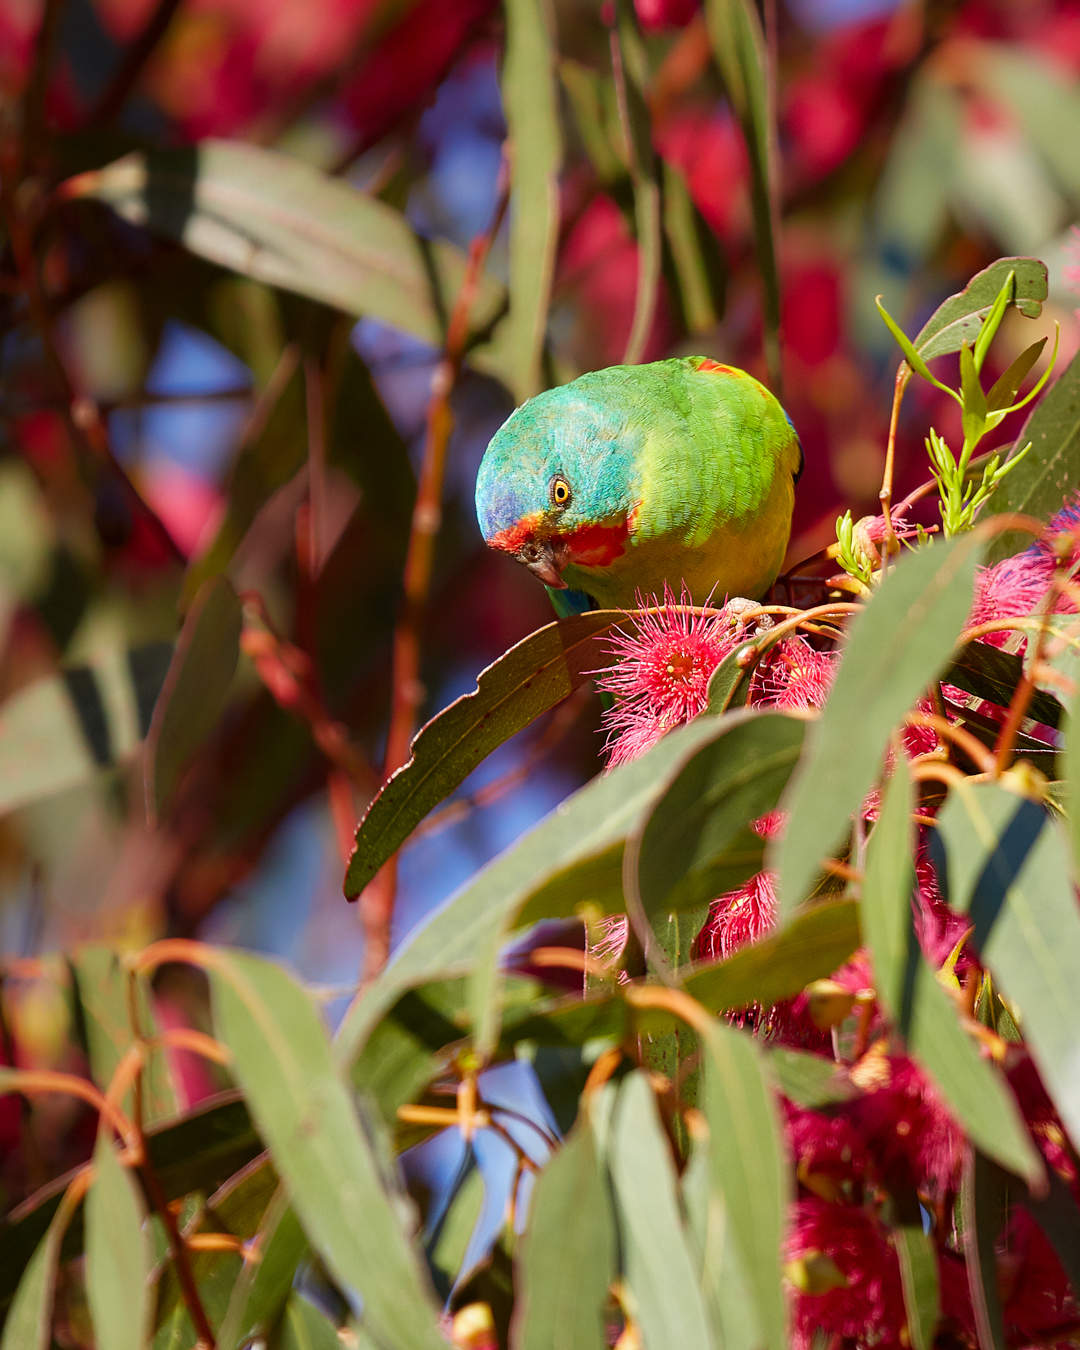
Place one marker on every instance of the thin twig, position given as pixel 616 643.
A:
pixel 892 544
pixel 115 94
pixel 377 900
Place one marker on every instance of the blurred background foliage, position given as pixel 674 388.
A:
pixel 264 261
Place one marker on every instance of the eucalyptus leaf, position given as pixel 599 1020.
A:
pixel 117 1252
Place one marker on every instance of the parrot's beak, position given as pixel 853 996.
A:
pixel 545 559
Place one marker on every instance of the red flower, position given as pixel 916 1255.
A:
pixel 828 1152
pixel 660 676
pixel 912 1138
pixel 741 916
pixel 845 1275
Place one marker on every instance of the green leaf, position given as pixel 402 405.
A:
pixel 1007 865
pixel 814 944
pixel 693 261
pixel 631 76
pixel 1051 470
pixel 62 730
pixel 716 1262
pixel 513 691
pixel 566 1260
pixel 530 104
pixel 193 696
pixel 917 1003
pixel 117 1252
pixel 738 46
pixel 992 674
pixel 959 319
pixel 973 413
pixel 198 1152
pixel 897 645
pixel 911 354
pixel 448 1245
pixel 1007 385
pixel 466 932
pixel 810 1080
pixel 304 1327
pixel 278 220
pixel 659 1274
pixel 262 1286
pixel 1042 98
pixel 299 1101
pixel 992 322
pixel 697 842
pixel 917 1256
pixel 748 1168
pixel 101 985
pixel 730 678
pixel 29 1321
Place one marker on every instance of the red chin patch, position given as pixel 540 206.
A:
pixel 597 545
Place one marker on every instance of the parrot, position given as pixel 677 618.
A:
pixel 638 478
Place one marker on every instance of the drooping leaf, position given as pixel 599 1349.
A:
pixel 716 1262
pixel 468 930
pixel 117 1252
pixel 658 1269
pixel 530 103
pixel 63 729
pixel 299 1101
pixel 896 646
pixel 448 1244
pixel 1006 864
pixel 566 1260
pixel 196 686
pixel 524 682
pixel 810 1080
pixel 631 76
pixel 748 1167
pixel 697 842
pixel 278 220
pixel 738 46
pixel 1050 472
pixel 917 1003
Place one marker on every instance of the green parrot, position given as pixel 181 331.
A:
pixel 636 476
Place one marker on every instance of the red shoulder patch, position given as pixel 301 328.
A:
pixel 710 364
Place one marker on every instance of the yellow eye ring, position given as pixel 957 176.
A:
pixel 560 491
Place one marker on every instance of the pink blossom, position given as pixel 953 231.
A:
pixel 858 1295
pixel 793 675
pixel 901 1117
pixel 660 676
pixel 742 916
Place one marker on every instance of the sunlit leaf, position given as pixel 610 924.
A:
pixel 282 1060
pixel 959 318
pixel 918 1260
pixel 896 646
pixel 909 991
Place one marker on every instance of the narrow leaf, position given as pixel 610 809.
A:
pixel 738 46
pixel 304 1327
pixel 658 1271
pixel 982 1211
pixel 918 1004
pixel 269 216
pixel 28 1324
pixel 917 1256
pixel 730 1308
pixel 748 1168
pixel 300 1104
pixel 530 103
pixel 897 645
pixel 566 1261
pixel 117 1252
pixel 1006 864
pixel 513 691
pixel 195 689
pixel 1007 385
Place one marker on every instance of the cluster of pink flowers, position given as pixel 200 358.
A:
pixel 890 1134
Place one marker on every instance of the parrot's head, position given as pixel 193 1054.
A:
pixel 558 484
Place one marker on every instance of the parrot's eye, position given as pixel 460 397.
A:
pixel 560 491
